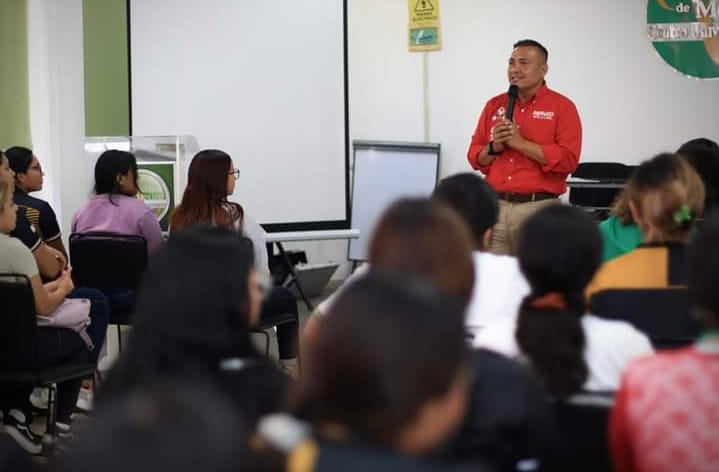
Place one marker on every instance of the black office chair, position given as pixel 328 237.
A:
pixel 599 200
pixel 663 315
pixel 113 263
pixel 19 331
pixel 583 421
pixel 270 323
pixel 276 311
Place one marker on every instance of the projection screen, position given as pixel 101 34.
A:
pixel 265 81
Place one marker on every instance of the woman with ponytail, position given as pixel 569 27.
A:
pixel 559 251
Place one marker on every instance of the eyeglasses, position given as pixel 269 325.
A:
pixel 236 173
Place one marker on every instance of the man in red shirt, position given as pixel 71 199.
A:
pixel 526 160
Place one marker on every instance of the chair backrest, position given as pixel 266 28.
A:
pixel 108 260
pixel 662 314
pixel 604 171
pixel 583 421
pixel 598 198
pixel 18 323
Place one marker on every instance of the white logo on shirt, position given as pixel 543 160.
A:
pixel 542 115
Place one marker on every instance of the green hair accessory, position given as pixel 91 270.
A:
pixel 682 214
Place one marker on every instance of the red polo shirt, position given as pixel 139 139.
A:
pixel 548 119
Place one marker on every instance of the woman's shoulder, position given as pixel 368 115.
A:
pixel 16 257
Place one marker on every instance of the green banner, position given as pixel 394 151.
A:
pixel 686 35
pixel 157 186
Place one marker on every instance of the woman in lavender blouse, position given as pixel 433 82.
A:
pixel 114 207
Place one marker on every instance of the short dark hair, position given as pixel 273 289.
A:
pixel 359 373
pixel 473 199
pixel 109 165
pixel 559 251
pixel 704 268
pixel 534 44
pixel 703 155
pixel 19 158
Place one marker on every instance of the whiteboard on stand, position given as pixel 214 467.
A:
pixel 383 172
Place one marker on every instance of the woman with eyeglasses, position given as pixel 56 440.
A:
pixel 211 180
pixel 194 311
pixel 29 178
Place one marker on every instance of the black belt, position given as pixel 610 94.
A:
pixel 524 197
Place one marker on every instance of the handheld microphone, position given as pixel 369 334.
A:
pixel 512 92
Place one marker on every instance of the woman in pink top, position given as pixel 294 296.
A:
pixel 115 208
pixel 666 415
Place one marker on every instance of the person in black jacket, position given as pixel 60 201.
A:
pixel 195 307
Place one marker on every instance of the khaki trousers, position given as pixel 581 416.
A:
pixel 509 224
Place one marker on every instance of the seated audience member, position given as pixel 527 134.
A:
pixel 666 415
pixel 665 198
pixel 50 261
pixel 115 208
pixel 499 285
pixel 620 234
pixel 703 155
pixel 193 315
pixel 28 179
pixel 211 180
pixel 54 345
pixel 178 426
pixel 559 252
pixel 385 379
pixel 38 214
pixel 425 238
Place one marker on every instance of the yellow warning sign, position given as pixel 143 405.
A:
pixel 424 11
pixel 424 29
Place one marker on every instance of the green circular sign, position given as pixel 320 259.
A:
pixel 155 192
pixel 685 33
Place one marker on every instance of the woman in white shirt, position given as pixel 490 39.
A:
pixel 559 252
pixel 211 179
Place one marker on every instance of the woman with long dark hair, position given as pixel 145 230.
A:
pixel 211 179
pixel 114 207
pixel 193 316
pixel 559 252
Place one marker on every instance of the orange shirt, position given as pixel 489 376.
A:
pixel 651 265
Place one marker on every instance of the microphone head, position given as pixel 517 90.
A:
pixel 512 90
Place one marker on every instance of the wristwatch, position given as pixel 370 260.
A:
pixel 490 149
